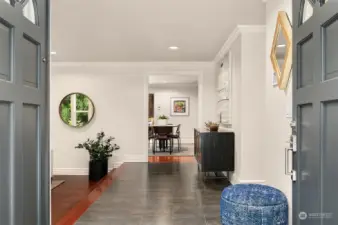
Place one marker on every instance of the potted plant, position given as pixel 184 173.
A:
pixel 99 151
pixel 162 120
pixel 212 126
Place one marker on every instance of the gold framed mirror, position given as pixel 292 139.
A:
pixel 281 51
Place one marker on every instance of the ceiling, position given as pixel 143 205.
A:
pixel 173 79
pixel 138 31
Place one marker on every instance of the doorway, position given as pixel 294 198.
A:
pixel 24 120
pixel 175 103
pixel 151 106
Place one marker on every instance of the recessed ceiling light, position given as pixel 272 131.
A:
pixel 174 48
pixel 53 53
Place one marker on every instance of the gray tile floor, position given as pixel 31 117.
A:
pixel 158 194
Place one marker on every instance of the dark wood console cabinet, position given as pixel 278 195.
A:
pixel 214 151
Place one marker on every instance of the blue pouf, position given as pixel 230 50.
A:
pixel 253 204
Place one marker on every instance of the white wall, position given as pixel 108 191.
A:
pixel 162 102
pixel 277 109
pixel 120 94
pixel 246 47
pixel 236 95
pixel 252 105
pixel 116 113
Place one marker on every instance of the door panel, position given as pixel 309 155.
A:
pixel 5 156
pixel 5 50
pixel 31 52
pixel 315 105
pixel 330 156
pixel 330 33
pixel 305 62
pixel 308 167
pixel 24 99
pixel 30 162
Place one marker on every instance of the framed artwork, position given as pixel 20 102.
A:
pixel 179 106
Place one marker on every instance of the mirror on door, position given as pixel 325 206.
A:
pixel 76 110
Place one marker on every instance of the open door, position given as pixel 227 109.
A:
pixel 315 96
pixel 24 97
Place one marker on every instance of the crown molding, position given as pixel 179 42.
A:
pixel 240 29
pixel 131 64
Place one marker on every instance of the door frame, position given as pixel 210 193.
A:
pixel 197 74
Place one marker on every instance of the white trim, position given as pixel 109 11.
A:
pixel 79 171
pixel 137 157
pixel 187 140
pixel 133 64
pixel 233 37
pixel 174 85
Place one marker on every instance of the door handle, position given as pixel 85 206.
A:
pixel 287 162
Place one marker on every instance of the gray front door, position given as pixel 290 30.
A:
pixel 315 92
pixel 24 132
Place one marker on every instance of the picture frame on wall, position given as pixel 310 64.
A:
pixel 179 106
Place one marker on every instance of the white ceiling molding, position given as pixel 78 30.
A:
pixel 171 85
pixel 234 35
pixel 132 68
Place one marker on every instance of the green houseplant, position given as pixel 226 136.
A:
pixel 162 120
pixel 100 150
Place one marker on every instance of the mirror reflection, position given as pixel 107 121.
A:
pixel 307 10
pixel 76 110
pixel 281 49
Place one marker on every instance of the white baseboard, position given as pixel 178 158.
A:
pixel 235 180
pixel 187 140
pixel 80 171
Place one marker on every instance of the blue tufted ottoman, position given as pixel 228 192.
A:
pixel 253 204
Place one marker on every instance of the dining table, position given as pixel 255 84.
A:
pixel 164 130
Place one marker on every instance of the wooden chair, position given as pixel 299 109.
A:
pixel 177 136
pixel 162 134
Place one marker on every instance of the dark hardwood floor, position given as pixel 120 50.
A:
pixel 166 191
pixel 68 194
pixel 72 198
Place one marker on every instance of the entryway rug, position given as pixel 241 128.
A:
pixel 56 183
pixel 186 150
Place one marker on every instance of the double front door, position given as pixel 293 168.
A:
pixel 24 133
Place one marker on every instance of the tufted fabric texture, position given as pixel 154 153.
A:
pixel 253 204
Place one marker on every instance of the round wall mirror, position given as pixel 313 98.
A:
pixel 76 110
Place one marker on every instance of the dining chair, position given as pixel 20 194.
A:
pixel 151 135
pixel 177 136
pixel 163 135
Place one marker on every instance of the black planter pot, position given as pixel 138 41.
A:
pixel 98 169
